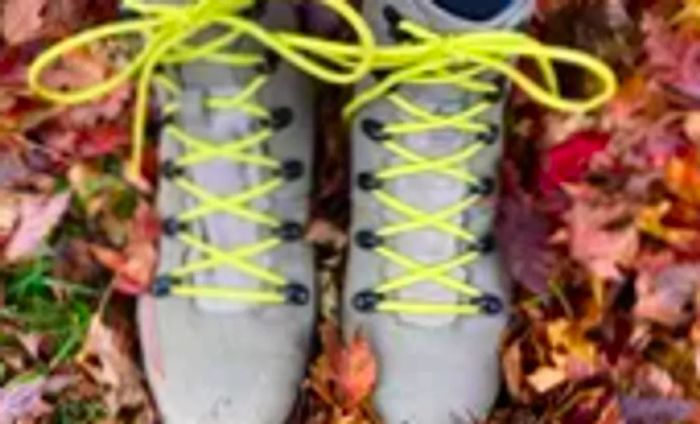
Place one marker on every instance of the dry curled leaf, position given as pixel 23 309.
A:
pixel 104 358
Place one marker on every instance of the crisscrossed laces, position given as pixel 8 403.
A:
pixel 166 32
pixel 463 61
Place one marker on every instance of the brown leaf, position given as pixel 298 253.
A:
pixel 513 369
pixel 134 265
pixel 104 358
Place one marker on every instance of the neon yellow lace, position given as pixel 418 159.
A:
pixel 431 59
pixel 462 61
pixel 166 31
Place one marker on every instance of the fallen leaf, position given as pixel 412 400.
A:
pixel 667 297
pixel 104 358
pixel 356 372
pixel 568 162
pixel 344 376
pixel 691 127
pixel 513 369
pixel 650 221
pixel 23 20
pixel 571 350
pixel 545 379
pixel 600 232
pixel 135 263
pixel 683 179
pixel 640 410
pixel 23 402
pixel 38 216
pixel 524 234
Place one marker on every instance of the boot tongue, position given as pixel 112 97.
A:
pixel 431 192
pixel 222 178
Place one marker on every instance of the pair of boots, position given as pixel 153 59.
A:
pixel 234 302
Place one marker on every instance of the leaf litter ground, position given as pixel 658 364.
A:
pixel 602 215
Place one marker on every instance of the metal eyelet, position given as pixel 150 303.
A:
pixel 367 181
pixel 393 18
pixel 170 170
pixel 155 127
pixel 485 245
pixel 163 286
pixel 367 301
pixel 290 170
pixel 500 83
pixel 296 294
pixel 491 135
pixel 489 304
pixel 485 187
pixel 280 118
pixel 368 239
pixel 270 64
pixel 374 130
pixel 290 232
pixel 171 226
pixel 256 11
pixel 127 14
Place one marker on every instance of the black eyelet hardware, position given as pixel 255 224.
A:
pixel 291 170
pixel 489 304
pixel 368 239
pixel 155 127
pixel 491 135
pixel 393 17
pixel 172 226
pixel 280 118
pixel 170 170
pixel 485 245
pixel 127 14
pixel 499 82
pixel 367 301
pixel 256 11
pixel 380 75
pixel 374 130
pixel 296 294
pixel 290 232
pixel 163 286
pixel 485 187
pixel 270 64
pixel 367 181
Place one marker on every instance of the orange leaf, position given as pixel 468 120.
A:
pixel 356 372
pixel 352 370
pixel 683 179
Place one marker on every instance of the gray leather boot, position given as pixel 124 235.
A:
pixel 424 281
pixel 226 339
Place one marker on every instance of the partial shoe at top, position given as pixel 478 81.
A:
pixel 424 281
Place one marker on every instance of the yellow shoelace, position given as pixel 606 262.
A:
pixel 166 31
pixel 430 59
pixel 460 61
